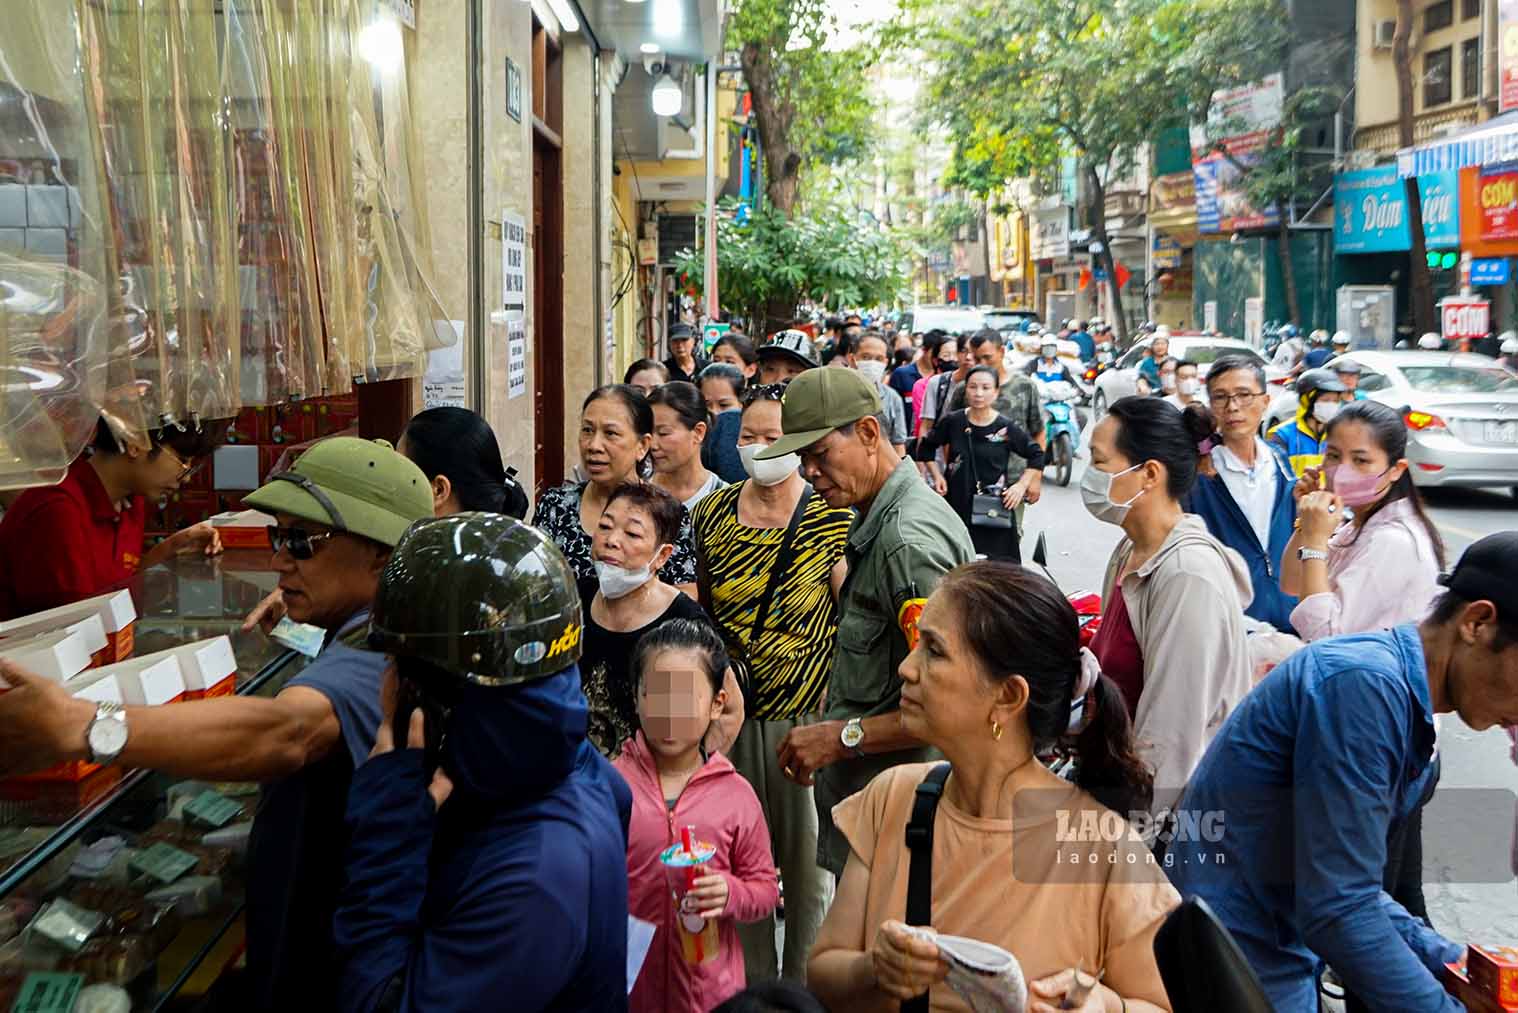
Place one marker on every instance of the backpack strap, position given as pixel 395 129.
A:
pixel 920 866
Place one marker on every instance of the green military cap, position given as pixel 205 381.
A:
pixel 817 402
pixel 363 487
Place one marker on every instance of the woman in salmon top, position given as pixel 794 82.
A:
pixel 1021 858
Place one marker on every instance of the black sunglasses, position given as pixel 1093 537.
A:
pixel 300 543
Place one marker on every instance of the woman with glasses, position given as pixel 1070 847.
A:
pixel 84 536
pixel 1244 491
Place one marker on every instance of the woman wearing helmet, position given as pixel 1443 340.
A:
pixel 1319 392
pixel 1431 342
pixel 1509 349
pixel 488 848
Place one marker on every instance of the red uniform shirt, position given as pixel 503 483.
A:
pixel 64 542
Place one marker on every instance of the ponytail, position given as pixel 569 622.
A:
pixel 1109 767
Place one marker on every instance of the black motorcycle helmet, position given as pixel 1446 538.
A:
pixel 1314 382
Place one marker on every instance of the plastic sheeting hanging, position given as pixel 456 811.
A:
pixel 62 358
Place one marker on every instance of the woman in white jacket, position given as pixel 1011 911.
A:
pixel 1172 634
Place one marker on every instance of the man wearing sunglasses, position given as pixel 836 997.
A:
pixel 339 511
pixel 84 536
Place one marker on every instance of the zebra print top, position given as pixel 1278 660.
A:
pixel 793 657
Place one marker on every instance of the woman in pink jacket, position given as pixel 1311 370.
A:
pixel 696 960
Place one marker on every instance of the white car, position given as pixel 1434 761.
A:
pixel 954 319
pixel 1122 380
pixel 1461 413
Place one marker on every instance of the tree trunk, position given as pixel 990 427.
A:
pixel 1402 56
pixel 1288 273
pixel 781 162
pixel 1108 265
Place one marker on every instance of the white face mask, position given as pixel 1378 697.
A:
pixel 771 472
pixel 871 370
pixel 1096 494
pixel 617 581
pixel 1189 387
pixel 1167 382
pixel 1324 411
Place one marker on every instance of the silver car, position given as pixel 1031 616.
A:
pixel 1122 380
pixel 1461 413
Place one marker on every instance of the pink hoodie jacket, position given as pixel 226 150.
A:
pixel 723 808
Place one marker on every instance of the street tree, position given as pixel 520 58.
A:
pixel 809 105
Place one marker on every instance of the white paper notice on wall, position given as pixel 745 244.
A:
pixel 516 355
pixel 443 383
pixel 513 261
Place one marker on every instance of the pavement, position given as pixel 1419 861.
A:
pixel 1470 827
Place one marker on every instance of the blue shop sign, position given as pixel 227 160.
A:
pixel 1370 211
pixel 1490 271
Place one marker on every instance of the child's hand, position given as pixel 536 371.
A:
pixel 710 895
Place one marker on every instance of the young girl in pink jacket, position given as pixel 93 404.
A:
pixel 680 793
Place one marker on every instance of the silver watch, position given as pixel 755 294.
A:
pixel 1304 554
pixel 852 735
pixel 106 736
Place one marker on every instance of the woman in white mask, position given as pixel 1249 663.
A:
pixel 632 542
pixel 1172 633
pixel 770 561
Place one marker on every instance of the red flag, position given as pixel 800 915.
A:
pixel 1123 274
pixel 1085 279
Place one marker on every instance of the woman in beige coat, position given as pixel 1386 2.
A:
pixel 1172 634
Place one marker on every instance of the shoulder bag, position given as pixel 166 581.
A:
pixel 986 509
pixel 920 863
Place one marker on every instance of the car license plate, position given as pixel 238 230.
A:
pixel 1502 432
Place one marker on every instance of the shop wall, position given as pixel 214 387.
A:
pixel 1229 272
pixel 582 365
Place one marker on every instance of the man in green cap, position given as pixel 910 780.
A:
pixel 903 540
pixel 339 511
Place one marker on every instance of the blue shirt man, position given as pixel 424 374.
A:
pixel 1310 774
pixel 1087 345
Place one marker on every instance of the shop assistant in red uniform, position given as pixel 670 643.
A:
pixel 84 536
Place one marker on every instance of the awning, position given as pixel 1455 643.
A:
pixel 1487 143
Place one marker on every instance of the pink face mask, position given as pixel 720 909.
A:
pixel 1355 488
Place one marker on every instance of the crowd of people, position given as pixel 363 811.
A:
pixel 717 678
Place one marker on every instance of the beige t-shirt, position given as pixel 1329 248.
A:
pixel 1092 900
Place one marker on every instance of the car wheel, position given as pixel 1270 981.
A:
pixel 1099 405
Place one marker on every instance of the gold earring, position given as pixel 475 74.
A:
pixel 995 730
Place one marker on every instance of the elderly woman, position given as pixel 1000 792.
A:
pixel 992 698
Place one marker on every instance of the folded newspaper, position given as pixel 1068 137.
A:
pixel 985 976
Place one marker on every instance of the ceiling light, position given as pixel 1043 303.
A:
pixel 649 48
pixel 381 46
pixel 566 15
pixel 668 97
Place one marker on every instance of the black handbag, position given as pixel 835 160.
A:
pixel 986 509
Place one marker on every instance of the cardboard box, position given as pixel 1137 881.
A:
pixel 60 655
pixel 150 681
pixel 42 800
pixel 88 625
pixel 208 667
pixel 1494 970
pixel 243 529
pixel 117 614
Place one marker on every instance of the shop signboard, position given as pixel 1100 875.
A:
pixel 1464 318
pixel 1168 253
pixel 1370 211
pixel 1240 121
pixel 1490 271
pixel 1499 202
pixel 1173 192
pixel 1507 54
pixel 1050 238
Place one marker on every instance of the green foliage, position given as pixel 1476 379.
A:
pixel 1281 174
pixel 820 254
pixel 820 95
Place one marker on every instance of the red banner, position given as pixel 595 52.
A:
pixel 1499 205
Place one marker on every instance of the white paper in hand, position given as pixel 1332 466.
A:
pixel 640 936
pixel 986 977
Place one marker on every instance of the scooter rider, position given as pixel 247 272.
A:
pixel 1048 367
pixel 488 849
pixel 1083 339
pixel 1290 351
pixel 1319 392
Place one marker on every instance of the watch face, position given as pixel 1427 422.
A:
pixel 108 737
pixel 853 734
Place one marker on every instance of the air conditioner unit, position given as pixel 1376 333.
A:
pixel 1386 33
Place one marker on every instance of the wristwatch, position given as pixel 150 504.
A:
pixel 852 735
pixel 1304 554
pixel 106 735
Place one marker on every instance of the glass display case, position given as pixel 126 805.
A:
pixel 114 857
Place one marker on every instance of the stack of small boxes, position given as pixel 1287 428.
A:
pixel 37 221
pixel 1486 981
pixel 87 646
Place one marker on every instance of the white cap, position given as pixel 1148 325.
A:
pixel 1430 342
pixel 1341 337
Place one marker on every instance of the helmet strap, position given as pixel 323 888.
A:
pixel 315 492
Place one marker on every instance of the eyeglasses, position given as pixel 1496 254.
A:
pixel 300 543
pixel 186 468
pixel 1241 398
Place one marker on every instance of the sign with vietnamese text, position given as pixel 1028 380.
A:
pixel 1465 318
pixel 1497 196
pixel 1490 271
pixel 1050 235
pixel 1507 55
pixel 516 355
pixel 1371 216
pixel 513 261
pixel 1224 149
pixel 1168 252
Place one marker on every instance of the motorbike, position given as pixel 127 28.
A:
pixel 1087 604
pixel 1061 427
